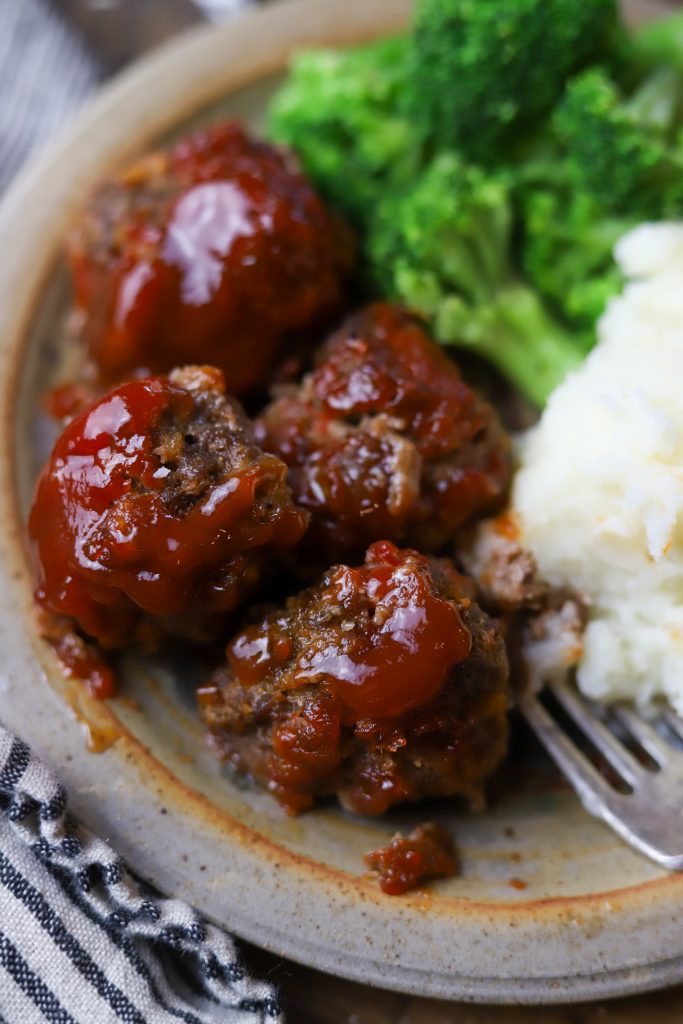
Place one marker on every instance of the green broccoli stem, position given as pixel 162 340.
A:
pixel 660 42
pixel 656 102
pixel 515 333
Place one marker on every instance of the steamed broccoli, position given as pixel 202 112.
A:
pixel 567 254
pixel 619 162
pixel 443 248
pixel 469 76
pixel 481 70
pixel 625 152
pixel 659 43
pixel 579 127
pixel 340 110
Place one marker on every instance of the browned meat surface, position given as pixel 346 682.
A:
pixel 385 440
pixel 543 624
pixel 506 573
pixel 382 683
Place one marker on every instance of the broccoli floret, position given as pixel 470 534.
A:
pixel 624 152
pixel 443 248
pixel 659 43
pixel 567 254
pixel 377 127
pixel 610 162
pixel 481 70
pixel 340 111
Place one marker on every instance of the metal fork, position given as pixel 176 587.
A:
pixel 647 808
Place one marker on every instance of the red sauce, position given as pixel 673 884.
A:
pixel 95 463
pixel 386 646
pixel 391 664
pixel 108 546
pixel 389 365
pixel 401 659
pixel 211 252
pixel 67 400
pixel 381 683
pixel 507 526
pixel 305 746
pixel 82 661
pixel 427 852
pixel 517 883
pixel 385 439
pixel 253 653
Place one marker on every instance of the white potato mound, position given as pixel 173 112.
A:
pixel 599 495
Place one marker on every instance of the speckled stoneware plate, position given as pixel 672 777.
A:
pixel 594 918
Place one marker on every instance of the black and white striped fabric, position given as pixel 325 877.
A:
pixel 45 74
pixel 84 942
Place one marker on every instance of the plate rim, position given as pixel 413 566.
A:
pixel 292 23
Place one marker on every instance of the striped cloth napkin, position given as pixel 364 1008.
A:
pixel 45 74
pixel 82 941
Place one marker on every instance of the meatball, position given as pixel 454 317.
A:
pixel 544 623
pixel 157 512
pixel 382 683
pixel 212 251
pixel 385 440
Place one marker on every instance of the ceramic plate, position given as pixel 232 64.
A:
pixel 550 905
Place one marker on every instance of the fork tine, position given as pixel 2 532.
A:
pixel 674 722
pixel 648 737
pixel 600 736
pixel 649 818
pixel 589 784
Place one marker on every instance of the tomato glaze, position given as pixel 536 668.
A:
pixel 427 852
pixel 385 440
pixel 395 660
pixel 79 660
pixel 381 683
pixel 383 361
pixel 212 251
pixel 108 543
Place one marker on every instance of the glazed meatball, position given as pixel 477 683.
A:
pixel 157 512
pixel 213 251
pixel 385 440
pixel 382 683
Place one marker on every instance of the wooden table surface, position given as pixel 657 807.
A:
pixel 309 997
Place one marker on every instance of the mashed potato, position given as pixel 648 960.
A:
pixel 599 495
